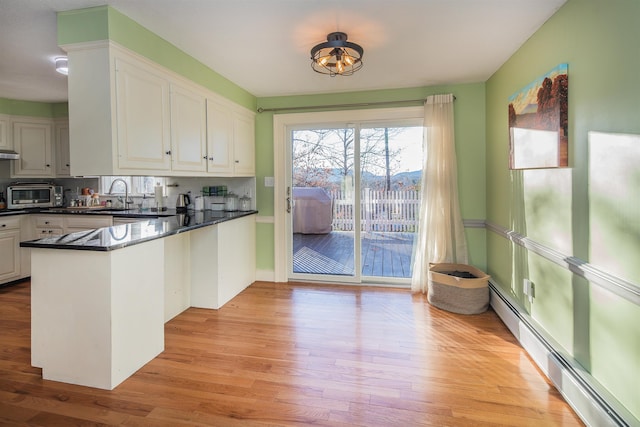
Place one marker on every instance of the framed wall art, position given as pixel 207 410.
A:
pixel 538 122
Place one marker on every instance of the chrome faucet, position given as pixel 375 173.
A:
pixel 126 191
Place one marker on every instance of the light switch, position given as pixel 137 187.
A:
pixel 269 181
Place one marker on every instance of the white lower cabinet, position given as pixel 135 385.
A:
pixel 10 260
pixel 48 225
pixel 177 289
pixel 223 261
pixel 54 225
pixel 100 331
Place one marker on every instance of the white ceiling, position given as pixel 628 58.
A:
pixel 263 45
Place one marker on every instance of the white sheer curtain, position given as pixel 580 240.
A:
pixel 440 236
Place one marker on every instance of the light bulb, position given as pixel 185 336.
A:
pixel 348 59
pixel 339 67
pixel 323 60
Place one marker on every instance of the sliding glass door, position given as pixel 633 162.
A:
pixel 352 197
pixel 390 176
pixel 321 200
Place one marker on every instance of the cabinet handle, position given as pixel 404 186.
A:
pixel 211 158
pixel 4 225
pixel 48 165
pixel 168 153
pixel 237 161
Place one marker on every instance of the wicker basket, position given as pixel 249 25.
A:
pixel 458 288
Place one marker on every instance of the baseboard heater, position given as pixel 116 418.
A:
pixel 594 405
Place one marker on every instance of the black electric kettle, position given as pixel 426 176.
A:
pixel 183 201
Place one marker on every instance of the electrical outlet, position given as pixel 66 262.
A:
pixel 532 292
pixel 529 289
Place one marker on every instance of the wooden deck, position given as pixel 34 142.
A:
pixel 384 254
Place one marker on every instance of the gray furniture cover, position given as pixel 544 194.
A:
pixel 312 210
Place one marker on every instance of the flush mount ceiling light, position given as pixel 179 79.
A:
pixel 336 56
pixel 62 66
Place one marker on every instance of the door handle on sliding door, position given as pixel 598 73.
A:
pixel 288 199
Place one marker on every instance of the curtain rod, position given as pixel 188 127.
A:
pixel 362 104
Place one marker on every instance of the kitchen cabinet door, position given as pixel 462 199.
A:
pixel 143 118
pixel 188 130
pixel 219 138
pixel 48 225
pixel 32 139
pixel 244 145
pixel 63 163
pixel 5 141
pixel 10 249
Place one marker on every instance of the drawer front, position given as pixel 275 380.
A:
pixel 49 222
pixel 10 223
pixel 47 232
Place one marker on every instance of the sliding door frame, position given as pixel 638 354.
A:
pixel 282 123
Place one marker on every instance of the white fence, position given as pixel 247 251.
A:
pixel 379 210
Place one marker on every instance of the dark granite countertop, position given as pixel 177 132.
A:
pixel 128 213
pixel 13 212
pixel 120 236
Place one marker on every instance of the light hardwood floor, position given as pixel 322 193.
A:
pixel 294 354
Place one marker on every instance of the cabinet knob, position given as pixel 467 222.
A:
pixel 205 157
pixel 168 153
pixel 211 158
pixel 237 161
pixel 4 225
pixel 68 165
pixel 47 165
pixel 46 222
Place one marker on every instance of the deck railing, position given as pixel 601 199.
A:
pixel 379 210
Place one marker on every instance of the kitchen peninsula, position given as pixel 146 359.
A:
pixel 100 298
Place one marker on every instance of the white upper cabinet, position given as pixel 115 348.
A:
pixel 188 130
pixel 219 138
pixel 230 140
pixel 244 145
pixel 32 139
pixel 61 128
pixel 6 142
pixel 143 118
pixel 129 116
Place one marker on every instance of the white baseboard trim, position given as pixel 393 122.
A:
pixel 265 276
pixel 594 405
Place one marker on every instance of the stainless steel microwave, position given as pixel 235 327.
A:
pixel 33 195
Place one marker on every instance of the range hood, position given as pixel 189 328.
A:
pixel 9 155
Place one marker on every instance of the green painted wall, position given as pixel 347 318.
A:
pixel 105 22
pixel 562 208
pixel 33 109
pixel 470 148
